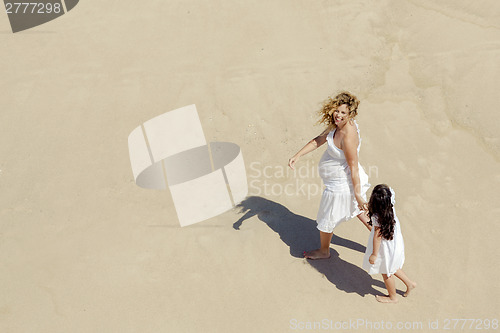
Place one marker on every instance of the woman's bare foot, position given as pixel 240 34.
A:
pixel 317 254
pixel 409 289
pixel 386 299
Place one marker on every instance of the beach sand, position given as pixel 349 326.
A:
pixel 84 249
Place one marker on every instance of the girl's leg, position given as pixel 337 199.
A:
pixel 363 217
pixel 324 251
pixel 410 285
pixel 391 289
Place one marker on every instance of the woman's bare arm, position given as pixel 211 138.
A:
pixel 309 147
pixel 350 147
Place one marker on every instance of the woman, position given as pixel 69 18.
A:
pixel 345 180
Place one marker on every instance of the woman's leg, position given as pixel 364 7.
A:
pixel 410 285
pixel 363 217
pixel 391 289
pixel 324 251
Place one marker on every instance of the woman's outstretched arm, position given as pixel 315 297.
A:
pixel 309 147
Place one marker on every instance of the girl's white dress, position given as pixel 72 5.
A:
pixel 391 255
pixel 338 203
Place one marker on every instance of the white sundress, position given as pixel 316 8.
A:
pixel 338 203
pixel 391 255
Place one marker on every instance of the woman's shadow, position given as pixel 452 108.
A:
pixel 300 233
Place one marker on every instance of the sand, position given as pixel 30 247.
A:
pixel 84 249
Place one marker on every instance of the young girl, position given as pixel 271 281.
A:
pixel 385 252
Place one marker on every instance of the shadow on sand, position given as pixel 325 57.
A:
pixel 346 276
pixel 300 234
pixel 296 231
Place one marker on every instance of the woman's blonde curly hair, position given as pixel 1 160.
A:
pixel 331 104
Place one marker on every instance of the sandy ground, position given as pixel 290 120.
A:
pixel 83 249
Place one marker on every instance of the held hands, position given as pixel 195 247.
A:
pixel 372 259
pixel 362 205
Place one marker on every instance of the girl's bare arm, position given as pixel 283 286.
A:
pixel 377 238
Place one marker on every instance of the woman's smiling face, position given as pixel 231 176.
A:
pixel 341 115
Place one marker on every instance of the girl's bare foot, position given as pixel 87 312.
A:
pixel 409 288
pixel 386 299
pixel 317 254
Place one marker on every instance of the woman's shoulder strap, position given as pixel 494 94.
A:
pixel 356 125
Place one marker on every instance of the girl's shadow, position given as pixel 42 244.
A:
pixel 300 234
pixel 346 276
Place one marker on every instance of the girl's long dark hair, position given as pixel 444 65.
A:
pixel 381 206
